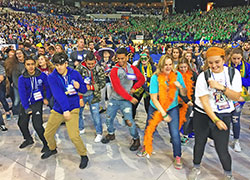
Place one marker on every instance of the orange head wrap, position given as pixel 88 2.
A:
pixel 215 51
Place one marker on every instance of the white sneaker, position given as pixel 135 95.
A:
pixel 82 131
pixel 237 147
pixel 98 138
pixel 194 174
pixel 228 177
pixel 211 143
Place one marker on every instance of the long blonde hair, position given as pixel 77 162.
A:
pixel 161 64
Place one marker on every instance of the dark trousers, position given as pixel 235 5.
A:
pixel 204 128
pixel 23 121
pixel 146 103
pixel 1 119
pixel 3 97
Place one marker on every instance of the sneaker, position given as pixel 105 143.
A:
pixel 44 149
pixel 107 138
pixel 177 162
pixel 26 143
pixel 135 145
pixel 184 140
pixel 3 128
pixel 8 117
pixel 98 138
pixel 15 117
pixel 211 143
pixel 141 152
pixel 84 162
pixel 48 153
pixel 82 131
pixel 194 173
pixel 228 177
pixel 237 147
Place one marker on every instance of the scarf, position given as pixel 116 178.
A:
pixel 244 92
pixel 166 97
pixel 187 78
pixel 148 75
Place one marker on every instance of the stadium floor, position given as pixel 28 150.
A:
pixel 114 160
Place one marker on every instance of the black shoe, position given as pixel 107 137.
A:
pixel 48 153
pixel 107 138
pixel 102 111
pixel 3 128
pixel 26 143
pixel 84 162
pixel 44 149
pixel 136 144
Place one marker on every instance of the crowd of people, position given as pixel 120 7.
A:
pixel 66 63
pixel 108 80
pixel 83 10
pixel 222 24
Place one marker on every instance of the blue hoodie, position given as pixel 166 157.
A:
pixel 62 101
pixel 246 76
pixel 25 88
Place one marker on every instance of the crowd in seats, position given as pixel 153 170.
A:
pixel 216 25
pixel 68 10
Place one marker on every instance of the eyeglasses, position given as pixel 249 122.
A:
pixel 144 59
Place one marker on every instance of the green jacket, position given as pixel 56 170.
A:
pixel 99 79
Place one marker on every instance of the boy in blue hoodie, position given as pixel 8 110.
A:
pixel 65 83
pixel 31 89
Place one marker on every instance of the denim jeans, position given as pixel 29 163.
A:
pixel 173 126
pixel 94 110
pixel 126 109
pixel 236 122
pixel 105 92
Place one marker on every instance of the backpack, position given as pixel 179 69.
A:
pixel 231 72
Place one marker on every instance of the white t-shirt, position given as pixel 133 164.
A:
pixel 218 101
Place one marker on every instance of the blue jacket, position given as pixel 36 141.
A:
pixel 39 81
pixel 246 78
pixel 57 85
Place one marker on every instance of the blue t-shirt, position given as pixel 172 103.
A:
pixel 154 88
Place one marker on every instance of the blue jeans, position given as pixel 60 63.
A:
pixel 94 110
pixel 126 109
pixel 236 122
pixel 173 126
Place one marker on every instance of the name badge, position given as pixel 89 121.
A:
pixel 221 101
pixel 107 69
pixel 79 57
pixel 70 90
pixel 37 95
pixel 131 76
pixel 87 80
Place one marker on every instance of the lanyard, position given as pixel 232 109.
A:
pixel 65 81
pixel 34 86
pixel 33 82
pixel 82 53
pixel 224 76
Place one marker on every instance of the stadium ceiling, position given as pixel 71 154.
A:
pixel 122 1
pixel 190 5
